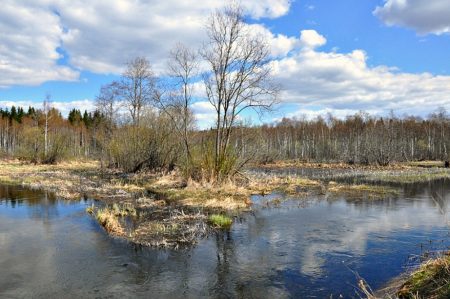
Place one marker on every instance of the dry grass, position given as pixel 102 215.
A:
pixel 368 191
pixel 109 221
pixel 408 177
pixel 265 184
pixel 425 164
pixel 329 165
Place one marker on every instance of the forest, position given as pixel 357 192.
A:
pixel 154 143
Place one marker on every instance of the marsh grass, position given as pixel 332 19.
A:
pixel 220 221
pixel 109 221
pixel 409 177
pixel 425 164
pixel 430 280
pixel 368 191
pixel 90 209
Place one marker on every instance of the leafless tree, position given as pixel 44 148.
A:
pixel 46 107
pixel 137 87
pixel 183 70
pixel 239 76
pixel 108 101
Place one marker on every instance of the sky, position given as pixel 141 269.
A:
pixel 328 56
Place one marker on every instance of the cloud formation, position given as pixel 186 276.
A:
pixel 345 82
pixel 101 35
pixel 29 42
pixel 424 16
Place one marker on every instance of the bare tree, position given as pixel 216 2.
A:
pixel 183 70
pixel 46 106
pixel 137 87
pixel 239 77
pixel 107 102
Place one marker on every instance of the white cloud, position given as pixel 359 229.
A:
pixel 30 36
pixel 345 81
pixel 424 16
pixel 311 113
pixel 204 114
pixel 101 35
pixel 310 39
pixel 280 44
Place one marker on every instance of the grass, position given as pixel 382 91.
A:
pixel 109 221
pixel 369 191
pixel 109 216
pixel 263 184
pixel 280 164
pixel 123 210
pixel 409 177
pixel 220 221
pixel 431 280
pixel 425 164
pixel 90 209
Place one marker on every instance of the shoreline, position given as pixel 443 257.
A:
pixel 169 212
pixel 166 211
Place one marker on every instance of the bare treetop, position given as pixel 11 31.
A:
pixel 137 87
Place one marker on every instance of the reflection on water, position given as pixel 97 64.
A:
pixel 52 248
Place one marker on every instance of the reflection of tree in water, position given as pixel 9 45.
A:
pixel 225 256
pixel 439 191
pixel 45 209
pixel 41 205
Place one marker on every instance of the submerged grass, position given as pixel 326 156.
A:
pixel 431 280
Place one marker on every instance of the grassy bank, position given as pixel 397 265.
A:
pixel 430 280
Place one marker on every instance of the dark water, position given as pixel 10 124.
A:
pixel 312 249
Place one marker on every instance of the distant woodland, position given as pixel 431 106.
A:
pixel 360 138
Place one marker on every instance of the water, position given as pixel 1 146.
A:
pixel 303 249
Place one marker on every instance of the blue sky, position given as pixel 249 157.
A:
pixel 329 56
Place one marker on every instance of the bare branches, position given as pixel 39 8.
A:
pixel 108 101
pixel 239 75
pixel 137 87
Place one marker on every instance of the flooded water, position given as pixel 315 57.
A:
pixel 303 249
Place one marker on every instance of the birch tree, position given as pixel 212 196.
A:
pixel 46 107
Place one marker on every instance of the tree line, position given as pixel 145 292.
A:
pixel 360 138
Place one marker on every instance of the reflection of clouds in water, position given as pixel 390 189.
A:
pixel 355 239
pixel 337 228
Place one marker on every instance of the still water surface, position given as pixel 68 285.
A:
pixel 302 249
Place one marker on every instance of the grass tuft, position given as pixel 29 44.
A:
pixel 220 221
pixel 109 221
